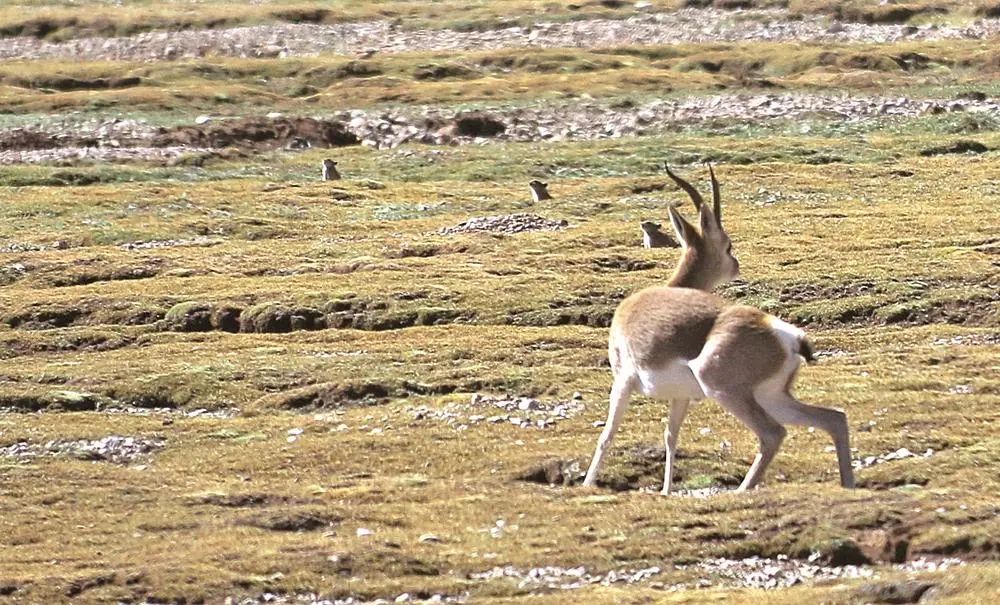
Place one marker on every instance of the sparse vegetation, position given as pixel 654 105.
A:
pixel 334 83
pixel 297 346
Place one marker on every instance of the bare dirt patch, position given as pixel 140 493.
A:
pixel 293 521
pixel 258 133
pixel 958 147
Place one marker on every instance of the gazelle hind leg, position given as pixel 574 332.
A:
pixel 621 390
pixel 678 410
pixel 769 432
pixel 786 409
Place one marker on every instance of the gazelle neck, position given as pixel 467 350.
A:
pixel 689 274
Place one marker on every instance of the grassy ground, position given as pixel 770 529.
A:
pixel 918 252
pixel 887 255
pixel 228 86
pixel 60 20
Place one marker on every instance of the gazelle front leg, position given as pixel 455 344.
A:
pixel 621 390
pixel 678 410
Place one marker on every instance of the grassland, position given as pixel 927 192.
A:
pixel 329 324
pixel 234 86
pixel 55 20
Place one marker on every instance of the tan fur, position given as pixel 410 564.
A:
pixel 681 342
pixel 737 330
pixel 662 323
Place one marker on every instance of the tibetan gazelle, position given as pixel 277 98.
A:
pixel 681 343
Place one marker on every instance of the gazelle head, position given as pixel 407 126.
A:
pixel 707 260
pixel 539 191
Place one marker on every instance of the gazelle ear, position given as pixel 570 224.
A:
pixel 685 231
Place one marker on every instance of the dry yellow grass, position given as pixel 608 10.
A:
pixel 308 84
pixel 887 257
pixel 176 529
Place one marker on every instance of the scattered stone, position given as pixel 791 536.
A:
pixel 314 599
pixel 368 38
pixel 523 412
pixel 564 578
pixel 507 224
pixel 114 448
pixel 114 155
pixel 63 139
pixel 900 454
pixel 968 340
pixel 751 572
pixel 200 241
pixel 769 574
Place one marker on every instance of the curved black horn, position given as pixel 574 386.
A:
pixel 686 186
pixel 716 196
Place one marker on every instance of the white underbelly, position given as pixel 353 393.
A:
pixel 672 381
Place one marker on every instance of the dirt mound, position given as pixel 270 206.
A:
pixel 291 520
pixel 475 124
pixel 956 147
pixel 22 139
pixel 257 133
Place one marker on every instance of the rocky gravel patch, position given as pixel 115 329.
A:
pixel 114 448
pixel 564 578
pixel 561 121
pixel 77 155
pixel 200 241
pixel 68 140
pixel 751 572
pixel 968 340
pixel 508 224
pixel 522 412
pixel 293 40
pixel 168 414
pixel 315 599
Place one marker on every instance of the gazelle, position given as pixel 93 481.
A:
pixel 681 343
pixel 539 191
pixel 330 171
pixel 652 237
